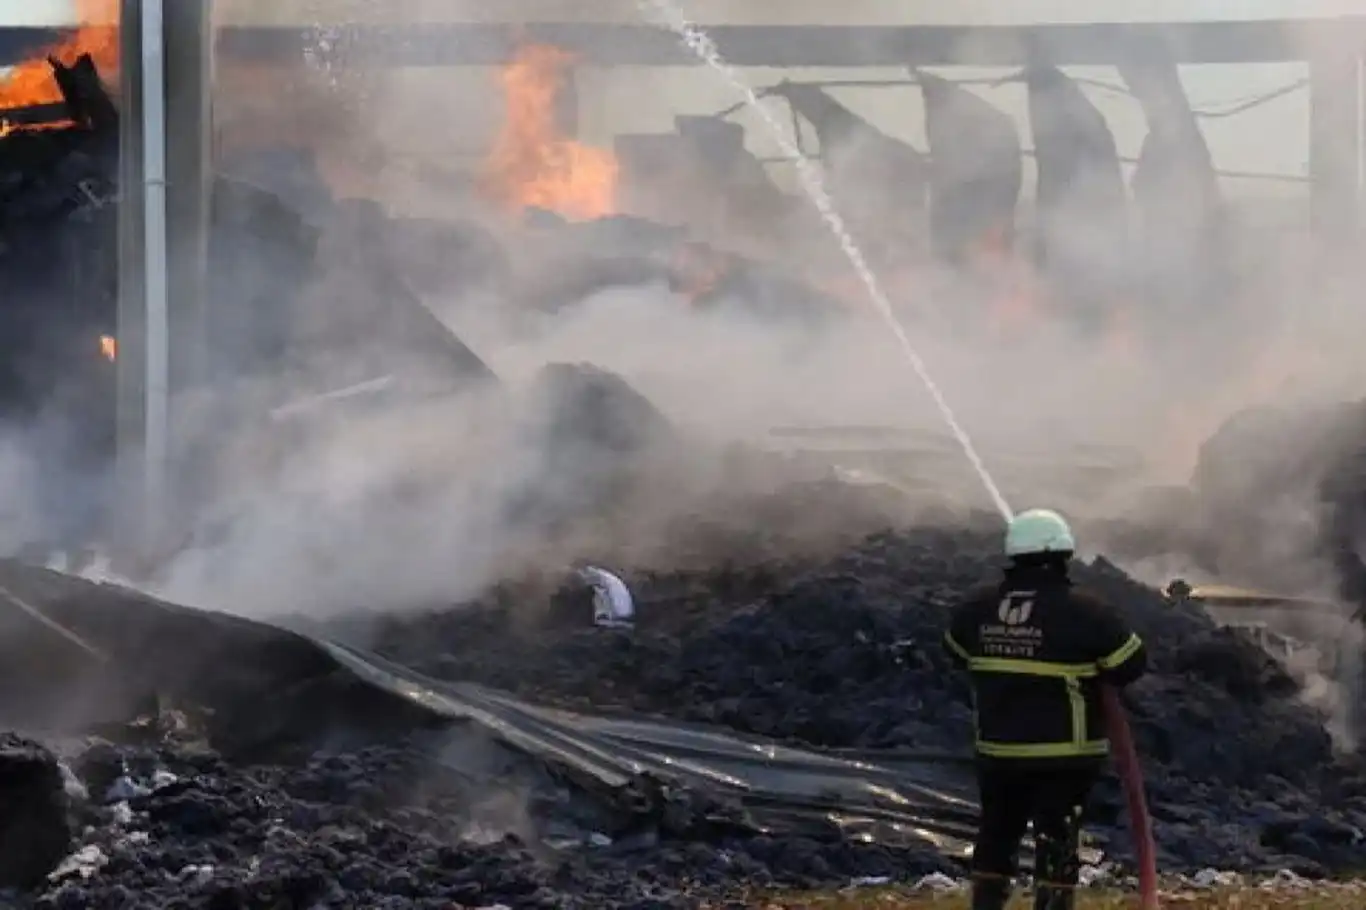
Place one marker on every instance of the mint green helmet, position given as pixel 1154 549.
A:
pixel 1038 531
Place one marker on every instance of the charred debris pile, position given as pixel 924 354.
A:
pixel 175 825
pixel 59 193
pixel 846 656
pixel 258 771
pixel 58 175
pixel 277 228
pixel 59 264
pixel 1277 502
pixel 59 198
pixel 843 656
pixel 299 785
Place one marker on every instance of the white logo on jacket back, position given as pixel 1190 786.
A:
pixel 1016 608
pixel 1013 636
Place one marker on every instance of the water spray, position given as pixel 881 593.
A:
pixel 1126 758
pixel 701 44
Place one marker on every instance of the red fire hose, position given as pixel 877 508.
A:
pixel 1126 762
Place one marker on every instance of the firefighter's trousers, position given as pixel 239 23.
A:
pixel 1053 795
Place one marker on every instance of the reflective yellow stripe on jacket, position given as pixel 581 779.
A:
pixel 1121 654
pixel 1095 748
pixel 1071 676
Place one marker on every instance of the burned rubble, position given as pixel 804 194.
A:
pixel 290 792
pixel 839 655
pixel 57 185
pixel 382 827
pixel 847 657
pixel 58 188
pixel 1275 501
pixel 210 798
pixel 35 831
pixel 267 252
pixel 843 657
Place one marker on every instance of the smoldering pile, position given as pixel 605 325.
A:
pixel 259 770
pixel 844 656
pixel 57 261
pixel 847 657
pixel 175 825
pixel 1275 502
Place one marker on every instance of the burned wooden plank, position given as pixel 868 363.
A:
pixel 87 102
pixel 34 114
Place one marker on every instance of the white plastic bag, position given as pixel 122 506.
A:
pixel 613 606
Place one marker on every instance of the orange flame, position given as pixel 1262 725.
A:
pixel 31 82
pixel 7 127
pixel 699 270
pixel 109 348
pixel 1015 301
pixel 531 164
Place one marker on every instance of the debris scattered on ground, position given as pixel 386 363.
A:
pixel 35 832
pixel 1241 774
pixel 387 826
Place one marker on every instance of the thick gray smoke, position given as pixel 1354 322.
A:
pixel 1166 301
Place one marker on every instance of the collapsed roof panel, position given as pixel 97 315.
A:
pixel 975 171
pixel 1081 201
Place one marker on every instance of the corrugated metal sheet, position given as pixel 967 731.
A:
pixel 102 639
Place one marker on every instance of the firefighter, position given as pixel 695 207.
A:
pixel 1037 650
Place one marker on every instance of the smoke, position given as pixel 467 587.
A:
pixel 1042 391
pixel 21 508
pixel 364 505
pixel 423 504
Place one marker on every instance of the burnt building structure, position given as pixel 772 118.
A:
pixel 162 346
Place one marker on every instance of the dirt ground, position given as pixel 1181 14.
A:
pixel 1314 897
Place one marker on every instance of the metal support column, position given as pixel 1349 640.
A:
pixel 163 241
pixel 189 71
pixel 1335 144
pixel 132 306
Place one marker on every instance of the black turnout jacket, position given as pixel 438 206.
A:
pixel 1038 650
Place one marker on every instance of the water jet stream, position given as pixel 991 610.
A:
pixel 700 43
pixel 1116 718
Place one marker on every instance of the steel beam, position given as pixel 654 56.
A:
pixel 483 44
pixel 488 43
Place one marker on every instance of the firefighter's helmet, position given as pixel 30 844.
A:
pixel 1038 531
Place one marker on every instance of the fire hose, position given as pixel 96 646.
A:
pixel 1131 775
